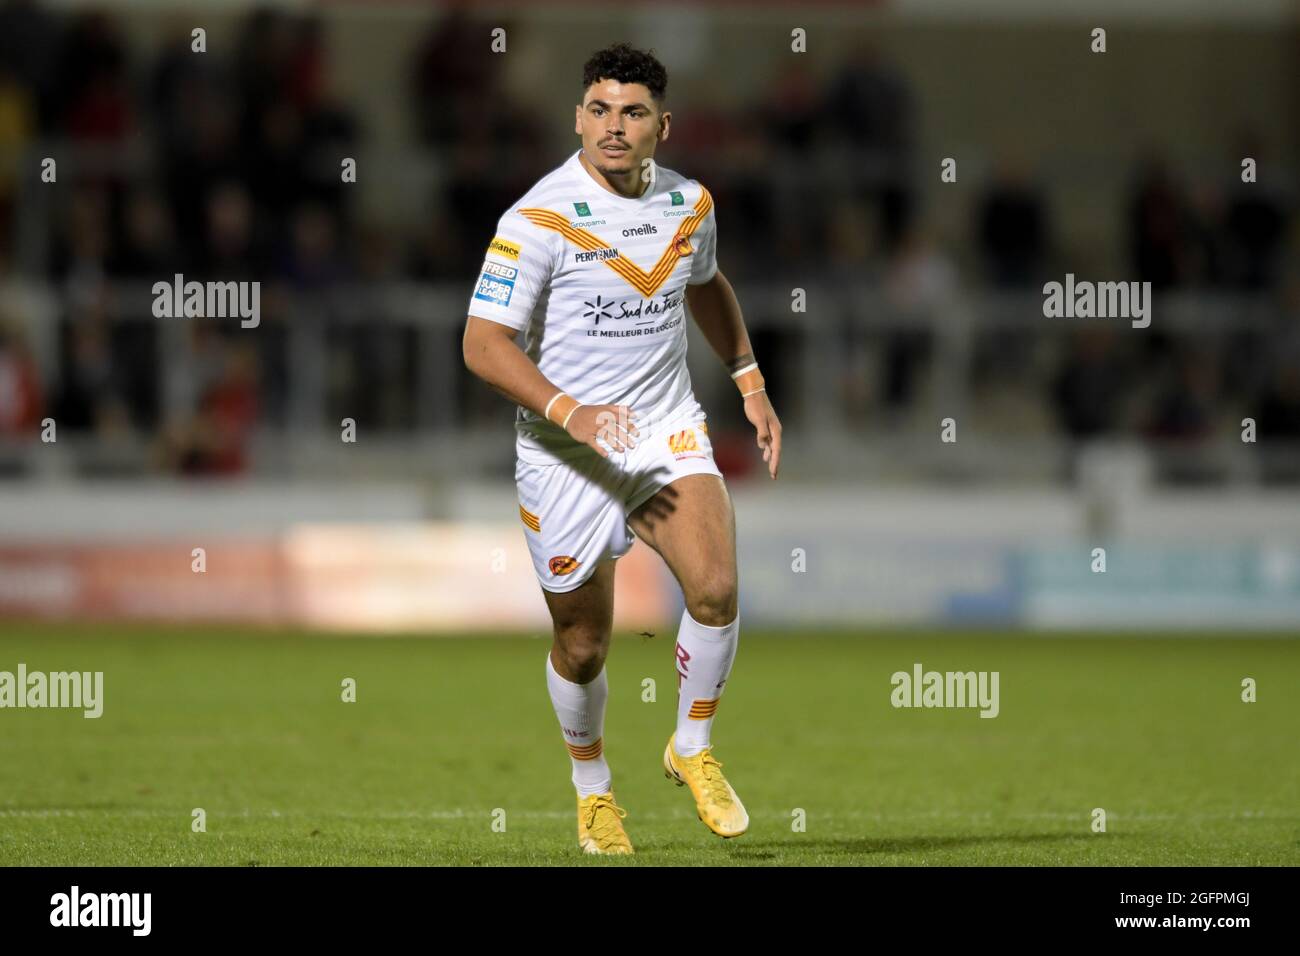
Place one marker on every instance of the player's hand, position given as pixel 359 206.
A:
pixel 614 423
pixel 762 416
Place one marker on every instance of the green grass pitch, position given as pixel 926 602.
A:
pixel 251 728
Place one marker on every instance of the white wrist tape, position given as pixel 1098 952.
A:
pixel 547 413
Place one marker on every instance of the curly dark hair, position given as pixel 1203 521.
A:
pixel 620 62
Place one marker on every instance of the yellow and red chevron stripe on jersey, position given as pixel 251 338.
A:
pixel 703 709
pixel 530 519
pixel 587 752
pixel 646 283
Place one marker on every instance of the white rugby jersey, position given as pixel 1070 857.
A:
pixel 598 282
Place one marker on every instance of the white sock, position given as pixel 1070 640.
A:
pixel 581 710
pixel 704 658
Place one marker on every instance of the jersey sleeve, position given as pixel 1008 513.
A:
pixel 705 263
pixel 516 269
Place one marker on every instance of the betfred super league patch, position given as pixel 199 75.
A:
pixel 496 284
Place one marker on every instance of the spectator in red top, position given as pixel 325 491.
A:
pixel 21 403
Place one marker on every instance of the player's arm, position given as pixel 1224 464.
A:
pixel 716 311
pixel 517 266
pixel 491 353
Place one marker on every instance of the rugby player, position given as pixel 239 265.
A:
pixel 596 265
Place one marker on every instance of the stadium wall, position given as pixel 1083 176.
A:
pixel 410 559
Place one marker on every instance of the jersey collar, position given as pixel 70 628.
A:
pixel 600 192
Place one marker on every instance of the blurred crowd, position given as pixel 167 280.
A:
pixel 228 167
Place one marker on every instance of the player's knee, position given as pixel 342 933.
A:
pixel 582 649
pixel 713 602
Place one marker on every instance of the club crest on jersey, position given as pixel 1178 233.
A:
pixel 683 445
pixel 563 564
pixel 682 246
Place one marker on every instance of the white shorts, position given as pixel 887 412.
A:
pixel 575 513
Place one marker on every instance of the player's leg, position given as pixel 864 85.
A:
pixel 575 676
pixel 582 622
pixel 575 531
pixel 691 523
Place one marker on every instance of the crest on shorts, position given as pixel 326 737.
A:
pixel 563 564
pixel 683 444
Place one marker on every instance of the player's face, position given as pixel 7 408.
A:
pixel 620 126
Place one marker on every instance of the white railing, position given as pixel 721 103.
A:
pixel 452 425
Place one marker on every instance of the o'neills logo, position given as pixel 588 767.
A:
pixel 682 245
pixel 209 300
pixel 563 564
